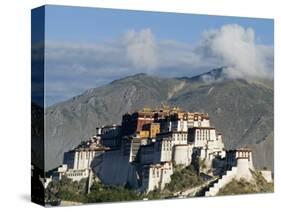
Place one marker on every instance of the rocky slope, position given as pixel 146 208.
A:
pixel 37 133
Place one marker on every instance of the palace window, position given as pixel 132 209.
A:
pixel 203 134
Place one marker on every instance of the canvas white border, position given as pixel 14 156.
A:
pixel 15 102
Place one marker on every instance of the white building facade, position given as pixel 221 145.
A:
pixel 156 176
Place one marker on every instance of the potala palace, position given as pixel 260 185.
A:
pixel 143 151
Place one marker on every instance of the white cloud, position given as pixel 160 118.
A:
pixel 142 49
pixel 236 48
pixel 94 64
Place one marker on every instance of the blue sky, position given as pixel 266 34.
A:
pixel 94 24
pixel 90 47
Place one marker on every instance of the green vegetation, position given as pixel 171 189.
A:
pixel 102 193
pixel 155 194
pixel 259 185
pixel 158 194
pixel 184 178
pixel 68 190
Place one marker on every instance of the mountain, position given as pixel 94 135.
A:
pixel 37 133
pixel 241 110
pixel 213 75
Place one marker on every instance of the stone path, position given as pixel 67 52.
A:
pixel 192 191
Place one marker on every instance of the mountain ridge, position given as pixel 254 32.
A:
pixel 242 111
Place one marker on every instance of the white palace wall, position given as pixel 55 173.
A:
pixel 182 154
pixel 158 176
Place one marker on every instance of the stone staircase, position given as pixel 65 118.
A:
pixel 224 180
pixel 195 191
pixel 201 192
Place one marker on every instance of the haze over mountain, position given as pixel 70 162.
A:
pixel 242 110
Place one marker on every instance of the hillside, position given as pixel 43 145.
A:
pixel 241 110
pixel 37 133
